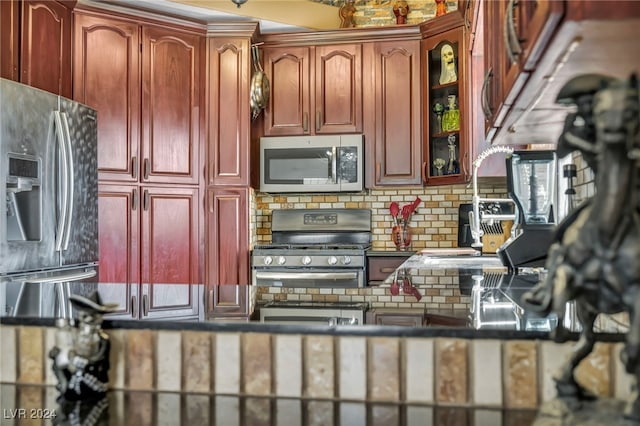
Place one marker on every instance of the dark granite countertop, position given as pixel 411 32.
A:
pixel 483 287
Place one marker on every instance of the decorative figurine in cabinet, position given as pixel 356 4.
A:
pixel 445 145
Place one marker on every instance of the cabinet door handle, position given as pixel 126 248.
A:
pixel 465 159
pixel 134 199
pixel 305 122
pixel 145 201
pixel 425 172
pixel 318 120
pixel 484 95
pixel 145 305
pixel 134 307
pixel 145 168
pixel 378 172
pixel 134 167
pixel 510 37
pixel 387 270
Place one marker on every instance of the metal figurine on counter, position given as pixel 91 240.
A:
pixel 594 259
pixel 81 355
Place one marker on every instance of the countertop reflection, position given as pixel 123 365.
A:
pixel 486 290
pixel 37 405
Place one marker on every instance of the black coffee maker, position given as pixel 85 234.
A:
pixel 531 183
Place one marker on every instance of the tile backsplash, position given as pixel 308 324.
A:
pixel 434 223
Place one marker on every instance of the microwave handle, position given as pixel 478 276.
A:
pixel 334 164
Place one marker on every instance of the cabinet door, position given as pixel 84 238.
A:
pixel 228 243
pixel 397 317
pixel 106 77
pixel 170 105
pixel 338 89
pixel 446 149
pixel 398 145
pixel 118 237
pixel 229 115
pixel 9 40
pixel 170 252
pixel 45 55
pixel 287 113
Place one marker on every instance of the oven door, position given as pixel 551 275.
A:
pixel 317 278
pixel 309 316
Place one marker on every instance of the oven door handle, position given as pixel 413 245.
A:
pixel 306 275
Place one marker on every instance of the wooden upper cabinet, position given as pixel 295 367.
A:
pixel 287 69
pixel 45 59
pixel 107 78
pixel 393 113
pixel 145 84
pixel 36 44
pixel 229 115
pixel 512 53
pixel 314 90
pixel 170 105
pixel 338 89
pixel 9 40
pixel 446 144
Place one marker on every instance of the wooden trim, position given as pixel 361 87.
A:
pixel 351 36
pixel 140 16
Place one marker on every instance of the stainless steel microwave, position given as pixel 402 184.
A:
pixel 331 163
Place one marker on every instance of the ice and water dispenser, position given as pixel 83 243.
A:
pixel 23 198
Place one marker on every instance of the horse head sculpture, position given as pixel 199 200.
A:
pixel 595 257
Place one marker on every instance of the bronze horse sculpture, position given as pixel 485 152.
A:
pixel 595 259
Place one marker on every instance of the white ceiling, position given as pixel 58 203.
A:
pixel 274 15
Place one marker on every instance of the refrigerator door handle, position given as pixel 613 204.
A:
pixel 63 182
pixel 70 184
pixel 63 277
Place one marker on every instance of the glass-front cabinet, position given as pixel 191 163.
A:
pixel 446 153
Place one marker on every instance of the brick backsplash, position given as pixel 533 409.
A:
pixel 584 181
pixel 434 223
pixel 378 13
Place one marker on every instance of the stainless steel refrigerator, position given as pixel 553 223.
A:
pixel 49 187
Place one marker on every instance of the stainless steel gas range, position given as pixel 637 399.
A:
pixel 314 248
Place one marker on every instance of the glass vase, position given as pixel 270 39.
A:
pixel 401 236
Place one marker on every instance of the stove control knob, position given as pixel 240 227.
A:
pixel 346 260
pixel 332 260
pixel 268 260
pixel 281 260
pixel 306 260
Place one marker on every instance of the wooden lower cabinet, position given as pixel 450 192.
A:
pixel 391 316
pixel 227 262
pixel 380 267
pixel 149 251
